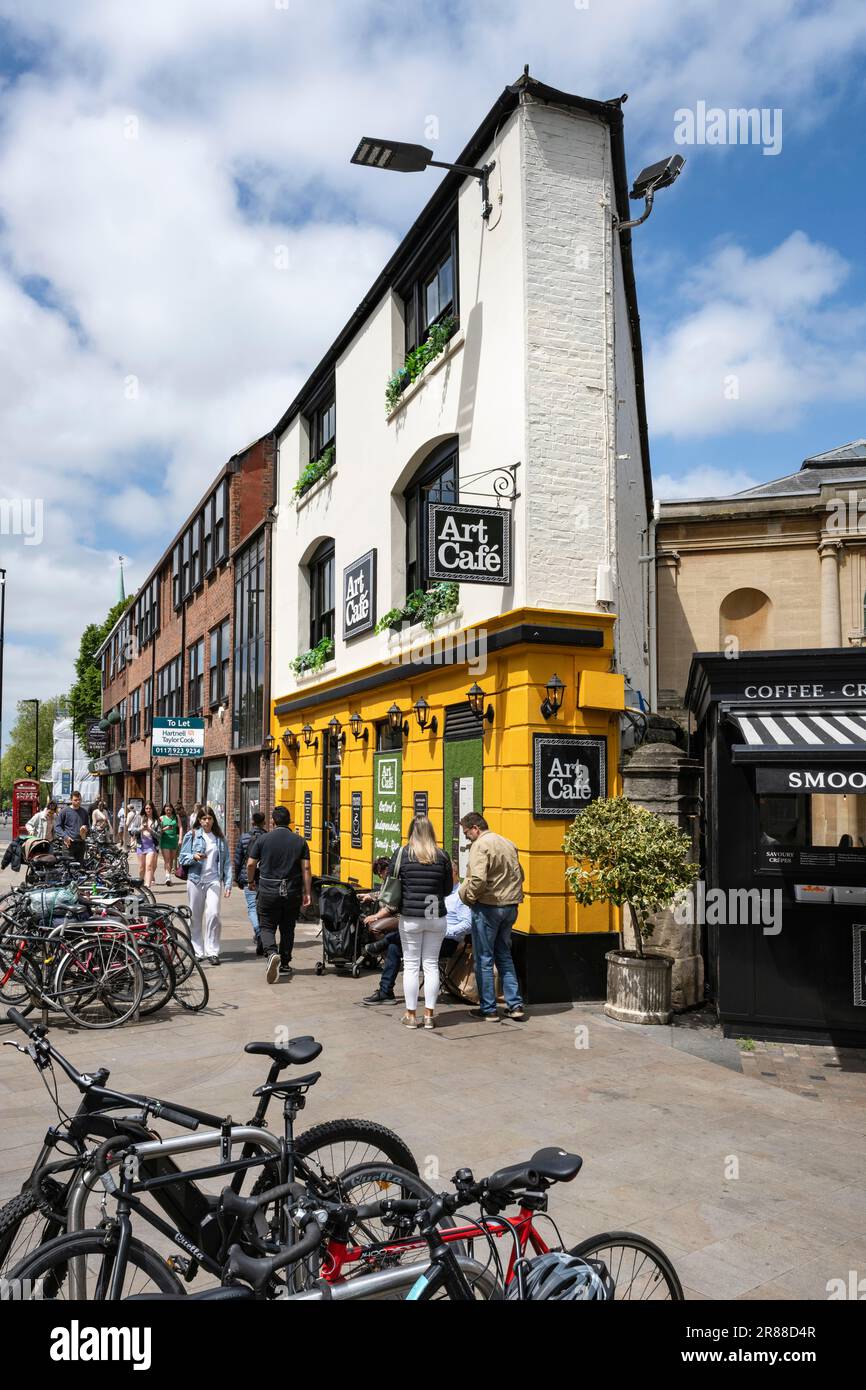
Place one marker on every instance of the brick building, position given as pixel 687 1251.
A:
pixel 195 641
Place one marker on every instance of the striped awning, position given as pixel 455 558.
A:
pixel 799 734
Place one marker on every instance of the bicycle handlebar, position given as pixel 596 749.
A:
pixel 257 1272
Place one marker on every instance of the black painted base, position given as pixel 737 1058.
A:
pixel 559 968
pixel 793 1033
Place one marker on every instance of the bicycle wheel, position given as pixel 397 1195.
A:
pixel 640 1270
pixel 24 1226
pixel 159 980
pixel 20 981
pixel 191 989
pixel 49 1273
pixel 99 982
pixel 333 1147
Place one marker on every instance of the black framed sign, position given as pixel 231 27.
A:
pixel 357 821
pixel 794 779
pixel 469 545
pixel 569 771
pixel 97 739
pixel 421 803
pixel 859 965
pixel 359 596
pixel 308 815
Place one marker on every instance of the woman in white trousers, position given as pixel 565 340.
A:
pixel 205 855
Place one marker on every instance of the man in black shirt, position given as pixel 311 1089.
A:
pixel 72 826
pixel 279 864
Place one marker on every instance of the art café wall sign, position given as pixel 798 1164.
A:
pixel 569 771
pixel 359 596
pixel 469 545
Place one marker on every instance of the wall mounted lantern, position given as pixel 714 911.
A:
pixel 396 721
pixel 358 730
pixel 308 732
pixel 335 729
pixel 555 696
pixel 476 698
pixel 290 741
pixel 422 714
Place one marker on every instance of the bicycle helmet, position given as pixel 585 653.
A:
pixel 562 1278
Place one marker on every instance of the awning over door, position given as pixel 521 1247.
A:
pixel 799 735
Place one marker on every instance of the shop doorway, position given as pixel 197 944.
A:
pixel 250 802
pixel 463 770
pixel 331 856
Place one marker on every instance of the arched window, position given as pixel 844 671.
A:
pixel 745 614
pixel 437 480
pixel 322 572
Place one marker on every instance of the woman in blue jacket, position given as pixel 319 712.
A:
pixel 205 856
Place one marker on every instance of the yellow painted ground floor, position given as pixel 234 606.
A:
pixel 352 790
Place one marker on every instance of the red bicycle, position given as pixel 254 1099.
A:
pixel 419 1223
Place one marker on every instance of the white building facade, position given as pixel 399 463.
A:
pixel 533 409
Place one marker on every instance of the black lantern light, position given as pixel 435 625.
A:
pixel 335 729
pixel 555 695
pixel 307 732
pixel 395 719
pixel 476 698
pixel 290 742
pixel 358 730
pixel 422 715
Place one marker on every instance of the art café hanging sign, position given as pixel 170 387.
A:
pixel 569 771
pixel 469 545
pixel 359 596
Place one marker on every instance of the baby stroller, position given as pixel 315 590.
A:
pixel 344 937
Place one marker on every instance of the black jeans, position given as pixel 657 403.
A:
pixel 393 962
pixel 76 848
pixel 277 914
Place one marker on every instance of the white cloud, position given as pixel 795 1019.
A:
pixel 166 280
pixel 760 341
pixel 702 481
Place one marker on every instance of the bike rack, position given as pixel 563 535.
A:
pixel 88 1181
pixel 383 1283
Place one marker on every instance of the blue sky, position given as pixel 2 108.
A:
pixel 153 157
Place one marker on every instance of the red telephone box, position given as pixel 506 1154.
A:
pixel 25 803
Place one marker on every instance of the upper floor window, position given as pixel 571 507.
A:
pixel 169 684
pixel 431 292
pixel 323 425
pixel 195 546
pixel 147 612
pixel 322 590
pixel 148 706
pixel 207 528
pixel 220 523
pixel 220 655
pixel 135 715
pixel 195 686
pixel 436 481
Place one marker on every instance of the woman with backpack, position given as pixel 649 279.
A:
pixel 205 856
pixel 419 880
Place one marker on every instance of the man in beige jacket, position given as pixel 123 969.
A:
pixel 493 888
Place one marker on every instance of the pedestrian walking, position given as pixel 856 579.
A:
pixel 41 826
pixel 121 823
pixel 493 888
pixel 169 839
pixel 242 855
pixel 73 827
pixel 145 829
pixel 100 821
pixel 182 818
pixel 279 866
pixel 205 856
pixel 420 876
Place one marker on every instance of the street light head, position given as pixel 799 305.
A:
pixel 392 154
pixel 659 175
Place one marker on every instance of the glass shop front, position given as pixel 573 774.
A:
pixel 782 736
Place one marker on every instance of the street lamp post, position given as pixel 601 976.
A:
pixel 36 703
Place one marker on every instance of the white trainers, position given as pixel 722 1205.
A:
pixel 168 880
pixel 273 968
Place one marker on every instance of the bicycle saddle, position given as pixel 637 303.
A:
pixel 296 1053
pixel 289 1086
pixel 547 1165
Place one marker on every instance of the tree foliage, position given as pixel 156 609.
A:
pixel 628 856
pixel 85 697
pixel 21 745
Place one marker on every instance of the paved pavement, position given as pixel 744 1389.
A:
pixel 755 1189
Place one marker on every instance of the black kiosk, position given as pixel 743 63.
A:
pixel 782 736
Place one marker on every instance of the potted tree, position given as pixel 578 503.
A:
pixel 626 855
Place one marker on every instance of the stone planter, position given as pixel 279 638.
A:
pixel 638 989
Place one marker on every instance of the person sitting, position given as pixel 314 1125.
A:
pixel 386 931
pixel 459 917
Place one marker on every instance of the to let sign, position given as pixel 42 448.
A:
pixel 569 771
pixel 357 821
pixel 469 545
pixel 177 738
pixel 359 596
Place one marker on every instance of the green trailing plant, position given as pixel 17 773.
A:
pixel 319 468
pixel 315 658
pixel 419 358
pixel 628 856
pixel 423 606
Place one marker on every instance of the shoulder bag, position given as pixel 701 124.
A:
pixel 391 893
